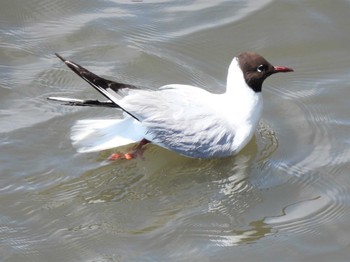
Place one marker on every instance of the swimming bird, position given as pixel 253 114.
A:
pixel 182 118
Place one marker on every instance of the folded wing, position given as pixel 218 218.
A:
pixel 183 119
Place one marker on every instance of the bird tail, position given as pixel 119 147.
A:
pixel 101 134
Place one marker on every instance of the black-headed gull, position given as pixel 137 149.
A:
pixel 182 118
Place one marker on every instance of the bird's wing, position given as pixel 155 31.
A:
pixel 112 90
pixel 183 119
pixel 81 102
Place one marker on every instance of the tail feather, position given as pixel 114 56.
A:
pixel 102 134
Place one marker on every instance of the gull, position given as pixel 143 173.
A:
pixel 182 118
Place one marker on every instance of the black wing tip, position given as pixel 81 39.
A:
pixel 60 57
pixel 73 66
pixel 80 102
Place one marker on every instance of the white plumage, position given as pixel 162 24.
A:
pixel 100 134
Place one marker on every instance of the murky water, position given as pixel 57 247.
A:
pixel 285 197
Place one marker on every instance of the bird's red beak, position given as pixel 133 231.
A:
pixel 282 69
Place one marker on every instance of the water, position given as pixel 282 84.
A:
pixel 285 197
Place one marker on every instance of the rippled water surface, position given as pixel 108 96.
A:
pixel 285 197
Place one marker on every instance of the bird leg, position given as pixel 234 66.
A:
pixel 135 152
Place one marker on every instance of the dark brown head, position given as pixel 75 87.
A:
pixel 256 69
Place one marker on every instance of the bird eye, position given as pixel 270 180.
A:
pixel 261 68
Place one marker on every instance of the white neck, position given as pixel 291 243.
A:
pixel 235 78
pixel 243 100
pixel 237 90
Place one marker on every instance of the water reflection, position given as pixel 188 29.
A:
pixel 255 231
pixel 171 192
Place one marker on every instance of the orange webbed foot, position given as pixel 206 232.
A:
pixel 126 156
pixel 137 151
